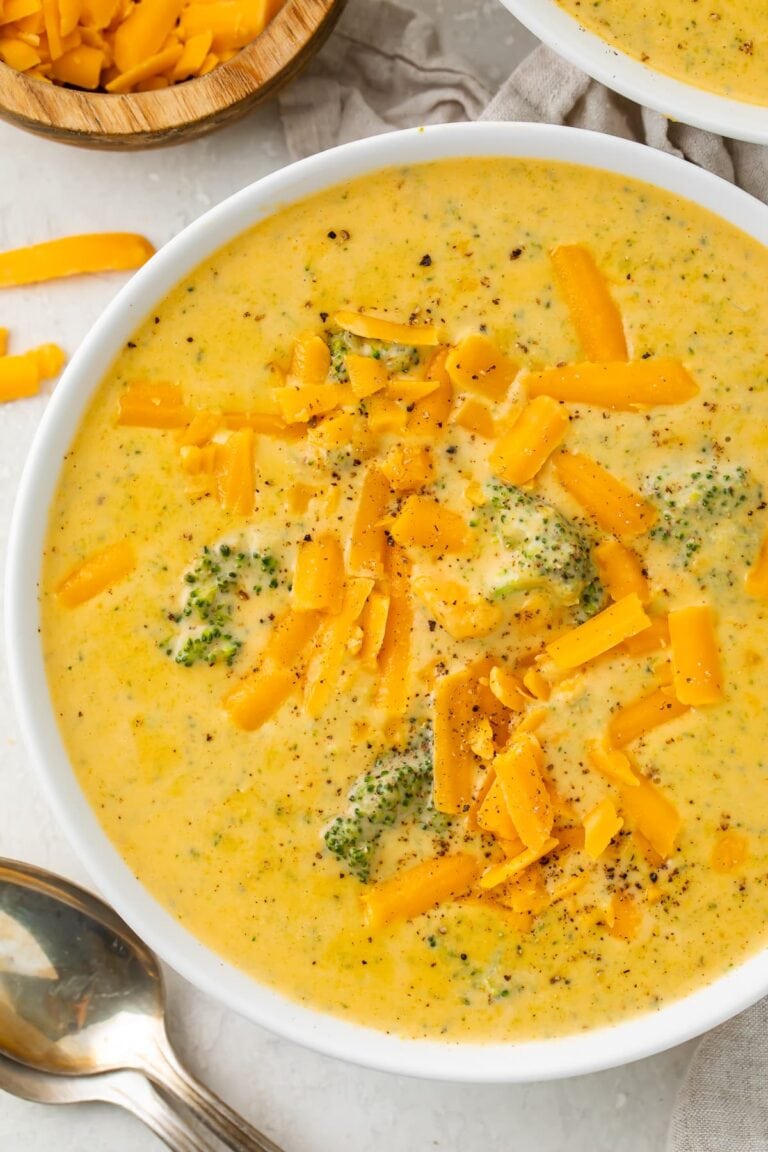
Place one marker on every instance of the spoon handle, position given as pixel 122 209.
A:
pixel 131 1091
pixel 233 1130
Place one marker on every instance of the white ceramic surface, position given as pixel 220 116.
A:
pixel 489 1063
pixel 619 71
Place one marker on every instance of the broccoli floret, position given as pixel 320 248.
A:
pixel 707 501
pixel 209 646
pixel 398 358
pixel 218 579
pixel 540 548
pixel 399 784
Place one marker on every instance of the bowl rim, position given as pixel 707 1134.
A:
pixel 629 77
pixel 190 108
pixel 537 1060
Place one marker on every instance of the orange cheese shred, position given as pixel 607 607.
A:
pixel 614 505
pixel 625 915
pixel 299 404
pixel 500 873
pixel 290 636
pixel 310 360
pixel 424 522
pixel 368 543
pixel 653 814
pixel 318 575
pixel 493 816
pixel 74 256
pixel 634 720
pixel 97 573
pixel 462 700
pixel 394 662
pixel 518 770
pixel 379 328
pixel 599 634
pixel 235 477
pixel 144 31
pixel 21 376
pixel 623 387
pixel 332 646
pixel 612 763
pixel 374 624
pixel 258 696
pixel 601 824
pixel 201 428
pixel 431 414
pixel 408 467
pixel 594 314
pixel 153 405
pixel 621 571
pixel 414 891
pixel 508 688
pixel 696 672
pixel 366 375
pixel 475 416
pixel 650 639
pixel 522 451
pixel 478 365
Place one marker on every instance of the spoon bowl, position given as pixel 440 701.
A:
pixel 81 994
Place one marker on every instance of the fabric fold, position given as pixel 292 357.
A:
pixel 384 69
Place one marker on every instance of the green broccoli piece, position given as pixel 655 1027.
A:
pixel 399 358
pixel 537 547
pixel 706 502
pixel 399 784
pixel 204 625
pixel 210 646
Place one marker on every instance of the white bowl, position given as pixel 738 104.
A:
pixel 539 1060
pixel 621 72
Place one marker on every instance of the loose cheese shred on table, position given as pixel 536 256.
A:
pixel 73 256
pixel 22 375
pixel 122 46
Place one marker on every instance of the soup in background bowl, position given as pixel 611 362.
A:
pixel 401 587
pixel 701 68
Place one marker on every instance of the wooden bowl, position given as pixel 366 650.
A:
pixel 183 111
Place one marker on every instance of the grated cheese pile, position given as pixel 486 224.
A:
pixel 126 45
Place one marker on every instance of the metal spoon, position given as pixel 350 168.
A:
pixel 80 994
pixel 128 1090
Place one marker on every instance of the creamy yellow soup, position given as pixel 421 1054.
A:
pixel 223 775
pixel 721 47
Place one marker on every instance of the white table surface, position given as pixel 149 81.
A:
pixel 306 1102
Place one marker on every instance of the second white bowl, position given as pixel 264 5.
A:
pixel 629 77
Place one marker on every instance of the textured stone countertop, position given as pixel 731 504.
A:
pixel 306 1102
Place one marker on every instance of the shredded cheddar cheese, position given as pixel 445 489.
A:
pixel 122 46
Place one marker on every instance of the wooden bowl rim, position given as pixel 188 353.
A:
pixel 257 69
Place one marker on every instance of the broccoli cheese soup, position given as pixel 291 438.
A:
pixel 405 600
pixel 721 47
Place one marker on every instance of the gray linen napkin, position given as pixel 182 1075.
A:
pixel 383 69
pixel 722 1105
